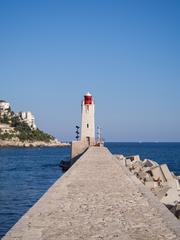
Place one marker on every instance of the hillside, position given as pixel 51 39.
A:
pixel 19 129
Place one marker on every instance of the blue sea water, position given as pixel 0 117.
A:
pixel 26 173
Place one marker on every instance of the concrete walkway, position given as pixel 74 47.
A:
pixel 97 199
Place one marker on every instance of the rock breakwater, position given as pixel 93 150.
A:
pixel 164 184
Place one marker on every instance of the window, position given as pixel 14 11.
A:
pixel 88 125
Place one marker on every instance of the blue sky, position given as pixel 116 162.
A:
pixel 126 53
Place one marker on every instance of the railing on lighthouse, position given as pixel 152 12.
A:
pixel 99 139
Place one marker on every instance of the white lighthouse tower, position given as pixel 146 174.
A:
pixel 87 129
pixel 87 123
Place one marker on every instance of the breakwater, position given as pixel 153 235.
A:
pixel 164 184
pixel 97 199
pixel 162 152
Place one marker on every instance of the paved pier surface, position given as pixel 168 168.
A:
pixel 97 199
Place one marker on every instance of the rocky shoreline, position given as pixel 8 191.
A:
pixel 51 143
pixel 164 184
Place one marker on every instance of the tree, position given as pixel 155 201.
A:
pixel 15 121
pixel 5 119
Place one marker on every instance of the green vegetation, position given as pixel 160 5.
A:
pixel 28 134
pixel 6 136
pixel 5 119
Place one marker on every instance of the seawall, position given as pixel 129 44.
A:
pixel 97 198
pixel 17 143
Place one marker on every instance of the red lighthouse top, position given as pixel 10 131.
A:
pixel 88 98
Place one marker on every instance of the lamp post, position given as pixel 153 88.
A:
pixel 77 133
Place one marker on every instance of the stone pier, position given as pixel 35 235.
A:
pixel 97 198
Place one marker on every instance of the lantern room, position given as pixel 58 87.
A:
pixel 88 98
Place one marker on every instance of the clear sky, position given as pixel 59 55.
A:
pixel 126 53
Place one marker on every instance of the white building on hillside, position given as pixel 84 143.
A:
pixel 4 106
pixel 28 118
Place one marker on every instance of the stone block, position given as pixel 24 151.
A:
pixel 149 163
pixel 158 174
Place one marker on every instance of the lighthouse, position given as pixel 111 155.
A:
pixel 87 122
pixel 87 128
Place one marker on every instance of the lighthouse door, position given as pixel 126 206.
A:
pixel 88 140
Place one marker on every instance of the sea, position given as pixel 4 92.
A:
pixel 27 173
